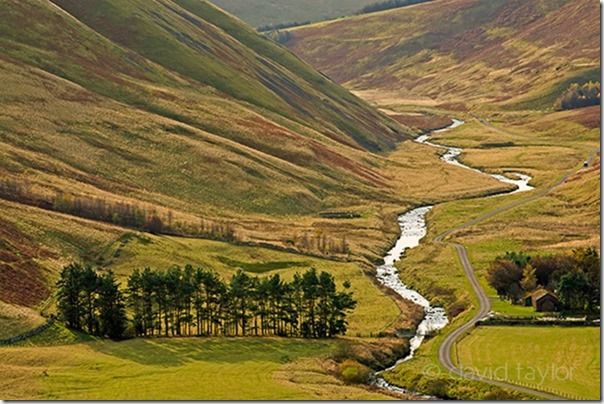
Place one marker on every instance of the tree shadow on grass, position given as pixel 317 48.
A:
pixel 180 351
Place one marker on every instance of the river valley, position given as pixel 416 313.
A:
pixel 413 225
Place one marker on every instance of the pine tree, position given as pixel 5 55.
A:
pixel 309 290
pixel 68 294
pixel 136 302
pixel 88 286
pixel 112 309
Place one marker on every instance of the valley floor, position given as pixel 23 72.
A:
pixel 60 366
pixel 560 214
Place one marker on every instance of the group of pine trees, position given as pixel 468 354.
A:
pixel 91 302
pixel 579 96
pixel 574 277
pixel 197 302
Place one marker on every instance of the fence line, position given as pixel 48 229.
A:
pixel 31 333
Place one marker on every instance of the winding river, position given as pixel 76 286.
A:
pixel 451 156
pixel 413 230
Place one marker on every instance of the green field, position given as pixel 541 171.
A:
pixel 185 369
pixel 425 373
pixel 565 361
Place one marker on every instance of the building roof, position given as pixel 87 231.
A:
pixel 541 293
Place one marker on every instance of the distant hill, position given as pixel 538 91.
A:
pixel 271 12
pixel 522 53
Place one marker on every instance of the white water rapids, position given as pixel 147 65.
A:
pixel 413 230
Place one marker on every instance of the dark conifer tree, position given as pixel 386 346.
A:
pixel 69 299
pixel 112 310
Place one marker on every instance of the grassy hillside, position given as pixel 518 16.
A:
pixel 179 112
pixel 172 110
pixel 152 95
pixel 269 12
pixel 487 51
pixel 168 110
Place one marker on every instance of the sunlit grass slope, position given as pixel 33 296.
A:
pixel 145 90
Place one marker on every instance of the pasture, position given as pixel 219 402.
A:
pixel 174 369
pixel 564 361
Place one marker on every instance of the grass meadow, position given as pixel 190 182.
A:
pixel 565 361
pixel 63 366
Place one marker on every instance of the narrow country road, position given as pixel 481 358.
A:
pixel 445 350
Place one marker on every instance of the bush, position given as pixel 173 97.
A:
pixel 435 387
pixel 343 351
pixel 352 372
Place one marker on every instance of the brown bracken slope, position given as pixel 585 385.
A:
pixel 513 51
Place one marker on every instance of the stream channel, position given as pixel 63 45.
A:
pixel 413 229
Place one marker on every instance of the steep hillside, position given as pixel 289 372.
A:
pixel 269 12
pixel 460 50
pixel 149 100
pixel 163 116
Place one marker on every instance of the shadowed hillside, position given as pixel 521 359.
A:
pixel 517 52
pixel 269 12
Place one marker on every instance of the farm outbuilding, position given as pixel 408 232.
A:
pixel 543 301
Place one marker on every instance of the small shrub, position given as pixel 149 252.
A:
pixel 457 308
pixel 352 372
pixel 435 387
